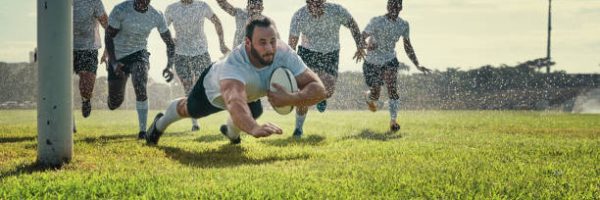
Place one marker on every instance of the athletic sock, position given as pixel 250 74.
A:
pixel 393 107
pixel 300 120
pixel 169 116
pixel 233 131
pixel 142 110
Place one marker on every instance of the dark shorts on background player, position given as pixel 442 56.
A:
pixel 374 73
pixel 317 61
pixel 85 61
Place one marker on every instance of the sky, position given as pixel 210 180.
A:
pixel 463 34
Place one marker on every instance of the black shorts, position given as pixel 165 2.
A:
pixel 320 62
pixel 85 61
pixel 374 73
pixel 199 106
pixel 136 58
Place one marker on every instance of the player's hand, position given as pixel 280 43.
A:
pixel 280 97
pixel 359 55
pixel 424 69
pixel 224 49
pixel 266 130
pixel 104 58
pixel 167 74
pixel 119 69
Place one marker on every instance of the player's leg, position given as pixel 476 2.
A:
pixel 176 111
pixel 326 66
pixel 139 78
pixel 86 65
pixel 373 78
pixel 116 88
pixel 390 77
pixel 184 67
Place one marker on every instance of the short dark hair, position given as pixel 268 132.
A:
pixel 389 1
pixel 254 1
pixel 260 22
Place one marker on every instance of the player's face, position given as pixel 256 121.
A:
pixel 315 6
pixel 255 7
pixel 141 5
pixel 263 45
pixel 394 7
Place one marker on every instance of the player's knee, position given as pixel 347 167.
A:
pixel 141 97
pixel 114 104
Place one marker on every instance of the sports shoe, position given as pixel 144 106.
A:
pixel 153 134
pixel 86 108
pixel 394 127
pixel 372 104
pixel 321 106
pixel 195 128
pixel 224 130
pixel 142 135
pixel 297 133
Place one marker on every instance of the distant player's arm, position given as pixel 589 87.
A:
pixel 109 35
pixel 219 28
pixel 103 19
pixel 227 7
pixel 408 48
pixel 358 39
pixel 294 32
pixel 166 37
pixel 311 91
pixel 233 93
pixel 293 42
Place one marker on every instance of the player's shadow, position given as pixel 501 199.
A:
pixel 109 138
pixel 367 134
pixel 312 140
pixel 210 138
pixel 27 169
pixel 16 139
pixel 225 156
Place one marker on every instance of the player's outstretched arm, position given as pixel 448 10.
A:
pixel 227 7
pixel 408 48
pixel 219 28
pixel 234 95
pixel 358 39
pixel 166 37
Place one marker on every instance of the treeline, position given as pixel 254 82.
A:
pixel 488 87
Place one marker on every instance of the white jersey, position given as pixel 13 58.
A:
pixel 320 34
pixel 237 66
pixel 86 34
pixel 385 33
pixel 134 27
pixel 188 21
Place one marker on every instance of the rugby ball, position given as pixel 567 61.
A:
pixel 285 78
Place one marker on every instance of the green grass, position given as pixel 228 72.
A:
pixel 344 154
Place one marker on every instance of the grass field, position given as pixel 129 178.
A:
pixel 344 154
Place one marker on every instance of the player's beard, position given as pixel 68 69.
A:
pixel 260 59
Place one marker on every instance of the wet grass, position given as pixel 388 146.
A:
pixel 344 154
